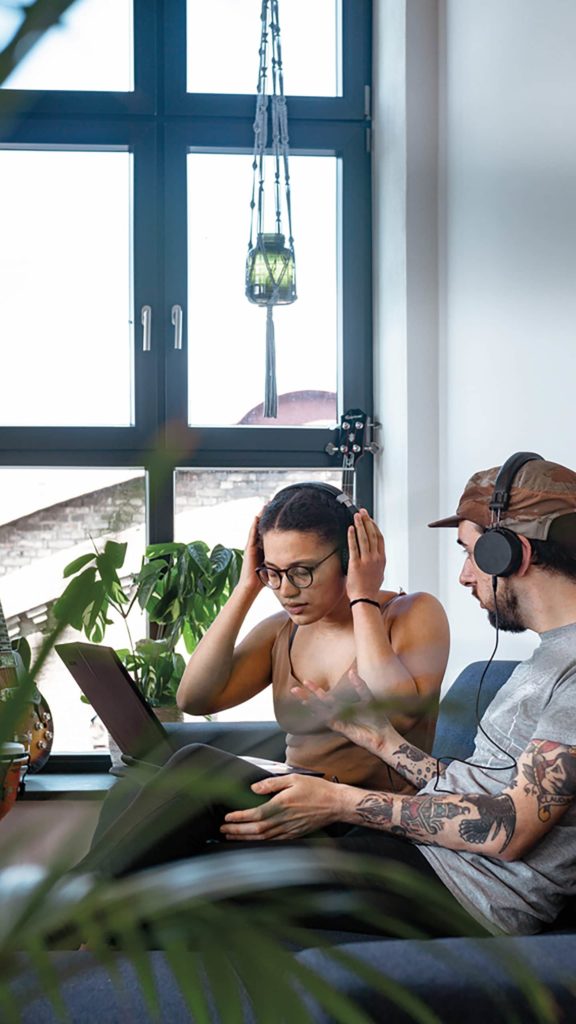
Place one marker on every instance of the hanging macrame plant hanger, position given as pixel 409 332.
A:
pixel 270 266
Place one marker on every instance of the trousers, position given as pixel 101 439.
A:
pixel 157 816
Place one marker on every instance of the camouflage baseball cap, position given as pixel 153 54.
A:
pixel 542 494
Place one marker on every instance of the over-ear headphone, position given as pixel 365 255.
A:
pixel 343 500
pixel 498 551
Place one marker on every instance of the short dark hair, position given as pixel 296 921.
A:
pixel 554 557
pixel 307 510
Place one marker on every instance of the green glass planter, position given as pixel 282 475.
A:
pixel 270 272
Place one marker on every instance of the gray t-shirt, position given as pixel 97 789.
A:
pixel 538 701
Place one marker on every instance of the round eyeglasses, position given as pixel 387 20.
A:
pixel 300 576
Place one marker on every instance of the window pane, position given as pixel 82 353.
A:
pixel 226 332
pixel 224 40
pixel 218 506
pixel 89 48
pixel 65 288
pixel 48 517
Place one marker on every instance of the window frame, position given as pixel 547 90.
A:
pixel 159 122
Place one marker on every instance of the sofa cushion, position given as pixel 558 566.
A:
pixel 464 704
pixel 259 739
pixel 529 979
pixel 473 980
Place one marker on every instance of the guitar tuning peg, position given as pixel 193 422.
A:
pixel 356 448
pixel 331 448
pixel 359 425
pixel 373 447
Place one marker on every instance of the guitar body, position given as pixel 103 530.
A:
pixel 35 731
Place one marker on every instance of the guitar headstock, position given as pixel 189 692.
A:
pixel 354 439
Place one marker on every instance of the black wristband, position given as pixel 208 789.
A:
pixel 364 600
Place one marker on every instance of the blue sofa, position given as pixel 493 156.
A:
pixel 529 980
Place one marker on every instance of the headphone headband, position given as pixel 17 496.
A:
pixel 498 551
pixel 506 474
pixel 319 485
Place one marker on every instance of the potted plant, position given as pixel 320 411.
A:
pixel 180 586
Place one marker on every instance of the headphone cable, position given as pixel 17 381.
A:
pixel 461 760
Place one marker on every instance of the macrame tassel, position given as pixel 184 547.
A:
pixel 270 393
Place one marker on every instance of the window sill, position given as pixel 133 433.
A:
pixel 67 786
pixel 70 777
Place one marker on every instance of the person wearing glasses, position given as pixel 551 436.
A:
pixel 325 563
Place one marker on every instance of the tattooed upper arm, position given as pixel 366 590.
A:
pixel 544 788
pixel 549 773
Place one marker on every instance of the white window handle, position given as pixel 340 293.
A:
pixel 177 321
pixel 146 321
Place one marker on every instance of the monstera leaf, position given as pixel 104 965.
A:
pixel 181 587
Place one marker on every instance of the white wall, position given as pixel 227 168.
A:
pixel 505 356
pixel 405 160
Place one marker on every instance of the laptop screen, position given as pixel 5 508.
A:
pixel 117 700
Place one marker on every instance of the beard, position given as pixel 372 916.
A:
pixel 509 618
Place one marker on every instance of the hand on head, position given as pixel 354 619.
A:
pixel 367 557
pixel 252 556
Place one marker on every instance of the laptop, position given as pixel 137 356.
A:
pixel 123 709
pixel 117 701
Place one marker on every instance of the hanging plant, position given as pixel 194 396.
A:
pixel 271 263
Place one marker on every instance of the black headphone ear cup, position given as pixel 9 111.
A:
pixel 498 552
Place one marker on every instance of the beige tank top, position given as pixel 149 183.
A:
pixel 311 745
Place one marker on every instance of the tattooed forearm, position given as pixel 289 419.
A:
pixel 376 809
pixel 430 819
pixel 497 813
pixel 416 766
pixel 425 816
pixel 550 771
